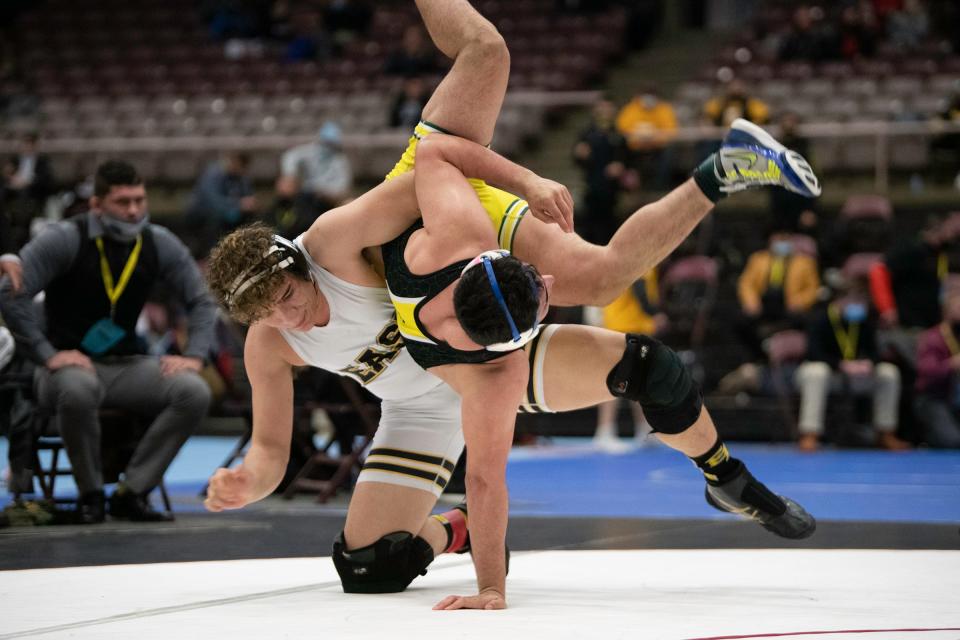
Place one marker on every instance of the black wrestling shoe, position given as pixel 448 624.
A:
pixel 127 505
pixel 744 495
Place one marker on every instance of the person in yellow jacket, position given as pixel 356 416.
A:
pixel 636 310
pixel 649 125
pixel 735 102
pixel 777 288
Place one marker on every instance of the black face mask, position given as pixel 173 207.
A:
pixel 955 327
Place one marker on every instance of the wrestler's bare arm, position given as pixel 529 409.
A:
pixel 585 273
pixel 337 238
pixel 468 99
pixel 455 223
pixel 268 360
pixel 549 201
pixel 490 394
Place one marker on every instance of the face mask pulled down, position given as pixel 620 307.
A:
pixel 121 230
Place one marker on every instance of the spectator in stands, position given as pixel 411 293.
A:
pixel 636 310
pixel 947 13
pixel 409 103
pixel 849 235
pixel 222 199
pixel 601 154
pixel 884 8
pixel 281 18
pixel 310 41
pixel 945 148
pixel 649 125
pixel 27 183
pixel 97 271
pixel 804 39
pixel 314 177
pixel 776 290
pixel 76 201
pixel 791 210
pixel 937 402
pixel 858 33
pixel 346 19
pixel 9 40
pixel 581 6
pixel 228 19
pixel 906 288
pixel 908 27
pixel 842 356
pixel 415 57
pixel 735 102
pixel 9 261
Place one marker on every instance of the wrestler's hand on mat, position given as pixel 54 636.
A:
pixel 486 599
pixel 550 202
pixel 229 489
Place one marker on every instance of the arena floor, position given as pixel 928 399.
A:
pixel 554 594
pixel 619 546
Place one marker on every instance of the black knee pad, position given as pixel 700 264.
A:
pixel 386 566
pixel 653 375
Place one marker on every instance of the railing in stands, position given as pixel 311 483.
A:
pixel 384 141
pixel 882 133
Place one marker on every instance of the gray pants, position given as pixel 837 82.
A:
pixel 941 428
pixel 176 403
pixel 815 381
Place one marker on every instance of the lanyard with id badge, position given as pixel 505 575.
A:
pixel 105 333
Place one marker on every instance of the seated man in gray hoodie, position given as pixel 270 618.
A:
pixel 97 271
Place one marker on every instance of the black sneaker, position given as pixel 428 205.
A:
pixel 744 495
pixel 90 507
pixel 127 505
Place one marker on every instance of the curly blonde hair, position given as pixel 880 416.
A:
pixel 234 255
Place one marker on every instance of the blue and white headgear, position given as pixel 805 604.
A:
pixel 519 339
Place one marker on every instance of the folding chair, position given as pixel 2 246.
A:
pixel 784 348
pixel 120 432
pixel 120 429
pixel 689 289
pixel 345 463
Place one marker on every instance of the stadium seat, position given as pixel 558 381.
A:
pixel 902 86
pixel 689 288
pixel 867 206
pixel 858 87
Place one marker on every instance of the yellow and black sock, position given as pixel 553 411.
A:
pixel 455 524
pixel 717 465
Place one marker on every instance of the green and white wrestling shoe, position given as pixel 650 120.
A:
pixel 751 157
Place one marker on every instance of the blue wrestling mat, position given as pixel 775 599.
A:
pixel 570 478
pixel 913 486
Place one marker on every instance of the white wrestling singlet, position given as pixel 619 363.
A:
pixel 418 440
pixel 361 340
